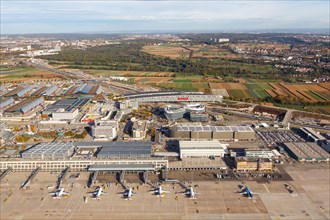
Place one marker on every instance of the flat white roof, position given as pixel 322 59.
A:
pixel 201 145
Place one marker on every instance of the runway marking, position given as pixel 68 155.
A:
pixel 266 187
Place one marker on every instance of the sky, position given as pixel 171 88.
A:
pixel 74 16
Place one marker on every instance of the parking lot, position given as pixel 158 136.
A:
pixel 275 138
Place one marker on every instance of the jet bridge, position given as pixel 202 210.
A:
pixel 30 178
pixel 62 176
pixel 5 173
pixel 92 179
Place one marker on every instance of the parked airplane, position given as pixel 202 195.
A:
pixel 98 192
pixel 59 193
pixel 247 192
pixel 159 191
pixel 191 193
pixel 128 193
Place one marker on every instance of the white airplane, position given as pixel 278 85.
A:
pixel 128 193
pixel 191 193
pixel 159 191
pixel 59 193
pixel 98 192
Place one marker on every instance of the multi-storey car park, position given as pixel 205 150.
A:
pixel 173 112
pixel 18 92
pixel 84 89
pixel 45 91
pixel 24 106
pixel 172 96
pixel 198 131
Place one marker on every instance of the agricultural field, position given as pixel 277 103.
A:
pixel 16 74
pixel 311 93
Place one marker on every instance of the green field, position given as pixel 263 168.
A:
pixel 237 93
pixel 257 90
pixel 184 86
pixel 317 96
pixel 20 72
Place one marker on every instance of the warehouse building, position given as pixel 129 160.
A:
pixel 23 107
pixel 202 149
pixel 305 151
pixel 6 102
pixel 49 151
pixel 18 92
pixel 66 109
pixel 325 144
pixel 173 112
pixel 105 130
pixel 84 89
pixel 198 131
pixel 45 91
pixel 172 96
pixel 311 135
pixel 125 150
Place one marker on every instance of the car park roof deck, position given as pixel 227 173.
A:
pixel 214 128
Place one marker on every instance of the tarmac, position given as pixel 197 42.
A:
pixel 216 199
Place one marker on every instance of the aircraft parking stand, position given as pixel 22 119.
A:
pixel 216 200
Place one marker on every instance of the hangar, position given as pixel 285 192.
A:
pixel 202 149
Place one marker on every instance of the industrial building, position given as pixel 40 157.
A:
pixel 66 109
pixel 105 130
pixel 325 144
pixel 173 112
pixel 127 150
pixel 49 151
pixel 84 89
pixel 45 91
pixel 198 116
pixel 202 149
pixel 305 151
pixel 198 131
pixel 6 102
pixel 139 130
pixel 262 154
pixel 244 164
pixel 18 92
pixel 311 135
pixel 23 107
pixel 172 96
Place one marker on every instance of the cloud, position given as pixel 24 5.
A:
pixel 36 15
